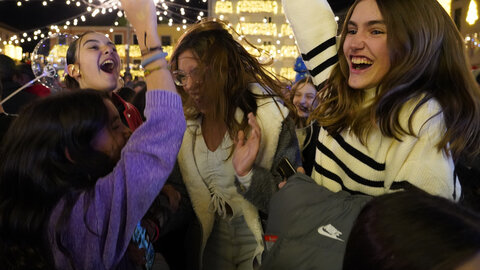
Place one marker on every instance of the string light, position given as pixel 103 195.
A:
pixel 257 21
pixel 100 7
pixel 266 29
pixel 223 7
pixel 257 7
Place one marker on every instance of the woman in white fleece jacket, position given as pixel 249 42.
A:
pixel 223 87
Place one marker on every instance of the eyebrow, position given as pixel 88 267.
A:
pixel 96 41
pixel 369 23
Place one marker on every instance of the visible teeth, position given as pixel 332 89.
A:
pixel 361 60
pixel 107 62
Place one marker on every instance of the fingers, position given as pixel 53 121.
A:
pixel 281 184
pixel 252 121
pixel 240 141
pixel 301 170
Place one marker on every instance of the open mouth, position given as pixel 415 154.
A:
pixel 108 66
pixel 360 63
pixel 302 109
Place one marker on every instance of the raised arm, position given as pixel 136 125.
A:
pixel 142 15
pixel 315 31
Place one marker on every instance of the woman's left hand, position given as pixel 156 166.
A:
pixel 246 150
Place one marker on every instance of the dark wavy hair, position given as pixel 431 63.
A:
pixel 412 230
pixel 72 58
pixel 36 172
pixel 428 61
pixel 228 69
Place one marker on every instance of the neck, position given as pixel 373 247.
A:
pixel 209 120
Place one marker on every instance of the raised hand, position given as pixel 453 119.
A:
pixel 246 150
pixel 142 15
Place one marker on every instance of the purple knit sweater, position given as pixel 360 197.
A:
pixel 102 220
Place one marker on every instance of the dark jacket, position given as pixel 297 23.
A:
pixel 312 224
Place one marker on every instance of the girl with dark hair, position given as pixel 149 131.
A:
pixel 61 205
pixel 413 230
pixel 93 62
pixel 223 87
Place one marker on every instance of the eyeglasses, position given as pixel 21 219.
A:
pixel 180 76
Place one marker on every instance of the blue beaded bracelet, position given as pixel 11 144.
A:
pixel 153 58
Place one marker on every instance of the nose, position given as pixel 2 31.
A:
pixel 108 50
pixel 357 41
pixel 303 100
pixel 188 83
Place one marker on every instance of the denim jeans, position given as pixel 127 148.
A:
pixel 231 246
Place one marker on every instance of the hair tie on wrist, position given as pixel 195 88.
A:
pixel 147 72
pixel 153 58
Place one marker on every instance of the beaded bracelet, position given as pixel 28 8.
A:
pixel 153 58
pixel 149 50
pixel 147 72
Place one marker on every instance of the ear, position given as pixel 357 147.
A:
pixel 74 71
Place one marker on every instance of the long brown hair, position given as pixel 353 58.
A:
pixel 227 70
pixel 428 61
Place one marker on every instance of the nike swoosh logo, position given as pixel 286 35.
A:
pixel 330 232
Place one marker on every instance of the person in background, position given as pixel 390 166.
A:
pixel 223 87
pixel 22 98
pixel 303 95
pixel 413 230
pixel 128 80
pixel 138 99
pixel 24 74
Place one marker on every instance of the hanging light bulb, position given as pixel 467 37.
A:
pixel 472 14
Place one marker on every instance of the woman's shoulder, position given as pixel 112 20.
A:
pixel 423 114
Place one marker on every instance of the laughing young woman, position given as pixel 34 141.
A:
pixel 400 107
pixel 93 62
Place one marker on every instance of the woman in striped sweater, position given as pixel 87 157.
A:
pixel 400 107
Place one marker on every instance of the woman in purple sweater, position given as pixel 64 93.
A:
pixel 57 208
